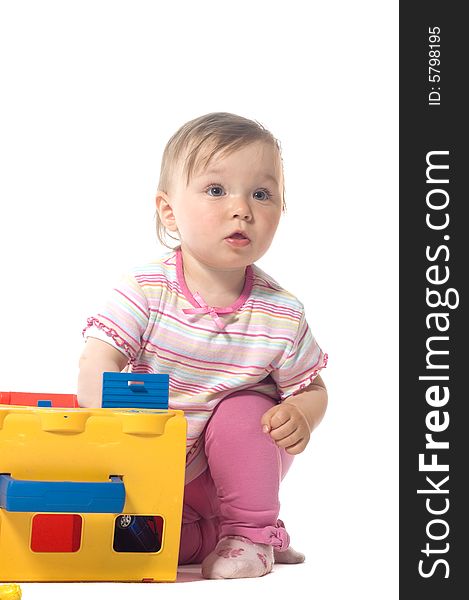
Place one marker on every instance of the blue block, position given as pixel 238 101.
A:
pixel 44 403
pixel 121 390
pixel 62 496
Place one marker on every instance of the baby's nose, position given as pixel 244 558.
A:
pixel 245 215
pixel 242 210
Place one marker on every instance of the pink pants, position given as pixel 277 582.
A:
pixel 238 494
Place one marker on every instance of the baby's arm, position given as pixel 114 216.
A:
pixel 97 357
pixel 291 423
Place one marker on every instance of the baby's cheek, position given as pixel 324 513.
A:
pixel 211 219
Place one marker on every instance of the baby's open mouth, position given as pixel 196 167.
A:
pixel 238 239
pixel 237 235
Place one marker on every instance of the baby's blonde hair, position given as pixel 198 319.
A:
pixel 197 142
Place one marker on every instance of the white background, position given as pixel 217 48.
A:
pixel 90 93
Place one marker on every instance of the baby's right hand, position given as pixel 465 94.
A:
pixel 287 426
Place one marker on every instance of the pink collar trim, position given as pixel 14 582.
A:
pixel 200 306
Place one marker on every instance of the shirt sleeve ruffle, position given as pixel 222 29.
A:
pixel 303 383
pixel 96 329
pixel 123 318
pixel 301 362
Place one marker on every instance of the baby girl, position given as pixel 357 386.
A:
pixel 243 364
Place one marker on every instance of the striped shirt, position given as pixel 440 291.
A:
pixel 261 343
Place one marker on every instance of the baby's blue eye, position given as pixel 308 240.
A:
pixel 215 190
pixel 261 195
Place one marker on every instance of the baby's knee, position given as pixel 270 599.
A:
pixel 244 406
pixel 239 413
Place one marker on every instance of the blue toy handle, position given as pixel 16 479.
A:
pixel 135 390
pixel 17 495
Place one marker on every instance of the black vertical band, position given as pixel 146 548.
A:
pixel 434 254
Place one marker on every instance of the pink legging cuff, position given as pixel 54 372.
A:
pixel 276 536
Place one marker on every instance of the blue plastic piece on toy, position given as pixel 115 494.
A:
pixel 44 403
pixel 135 390
pixel 62 496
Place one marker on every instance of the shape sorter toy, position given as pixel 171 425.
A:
pixel 92 494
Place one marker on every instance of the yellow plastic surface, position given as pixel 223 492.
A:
pixel 145 447
pixel 10 591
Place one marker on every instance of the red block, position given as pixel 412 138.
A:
pixel 31 399
pixel 56 533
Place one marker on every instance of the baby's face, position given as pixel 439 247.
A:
pixel 228 214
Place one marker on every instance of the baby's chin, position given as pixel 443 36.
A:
pixel 229 263
pixel 237 260
pixel 225 257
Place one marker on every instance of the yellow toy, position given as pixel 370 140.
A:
pixel 90 494
pixel 10 592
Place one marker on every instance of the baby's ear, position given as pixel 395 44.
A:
pixel 165 211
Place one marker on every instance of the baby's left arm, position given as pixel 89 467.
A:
pixel 291 423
